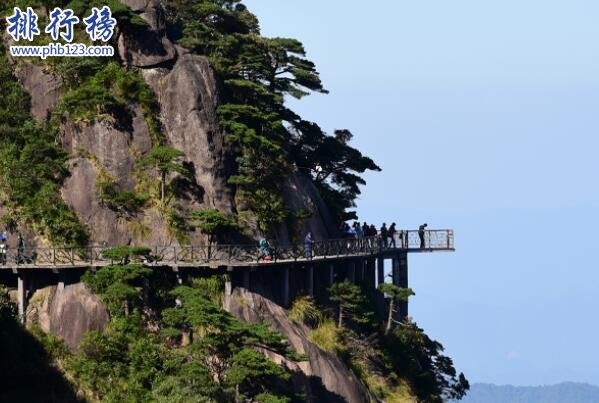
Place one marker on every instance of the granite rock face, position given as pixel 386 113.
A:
pixel 187 91
pixel 323 377
pixel 146 46
pixel 188 96
pixel 299 193
pixel 67 311
pixel 43 87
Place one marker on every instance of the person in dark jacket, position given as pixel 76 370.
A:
pixel 392 231
pixel 384 235
pixel 421 231
pixel 20 249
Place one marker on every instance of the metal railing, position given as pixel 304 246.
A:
pixel 232 254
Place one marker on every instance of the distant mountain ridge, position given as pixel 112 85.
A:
pixel 566 392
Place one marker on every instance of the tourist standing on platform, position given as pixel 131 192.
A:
pixel 308 243
pixel 403 239
pixel 421 231
pixel 3 251
pixel 373 235
pixel 373 232
pixel 265 250
pixel 392 231
pixel 358 230
pixel 384 235
pixel 20 249
pixel 346 231
pixel 359 234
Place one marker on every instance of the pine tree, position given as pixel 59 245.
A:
pixel 395 293
pixel 164 160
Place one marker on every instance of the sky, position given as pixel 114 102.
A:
pixel 484 116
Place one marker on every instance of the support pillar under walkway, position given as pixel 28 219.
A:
pixel 400 279
pixel 285 286
pixel 380 271
pixel 22 295
pixel 310 280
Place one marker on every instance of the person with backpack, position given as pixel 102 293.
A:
pixel 265 250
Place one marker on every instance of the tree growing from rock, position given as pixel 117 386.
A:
pixel 395 293
pixel 164 160
pixel 351 302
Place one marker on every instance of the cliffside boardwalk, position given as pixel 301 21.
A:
pixel 290 271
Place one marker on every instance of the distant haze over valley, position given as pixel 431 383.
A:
pixel 566 392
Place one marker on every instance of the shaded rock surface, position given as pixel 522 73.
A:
pixel 299 193
pixel 325 377
pixel 67 311
pixel 43 87
pixel 188 96
pixel 146 46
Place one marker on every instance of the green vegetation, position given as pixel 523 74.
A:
pixel 122 201
pixel 103 90
pixel 327 336
pixel 176 343
pixel 257 73
pixel 27 368
pixel 164 160
pixel 194 350
pixel 304 310
pixel 212 223
pixel 272 141
pixel 395 294
pixel 351 304
pixel 164 343
pixel 398 364
pixel 32 167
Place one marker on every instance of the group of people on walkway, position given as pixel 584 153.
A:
pixel 388 236
pixel 266 249
pixel 384 237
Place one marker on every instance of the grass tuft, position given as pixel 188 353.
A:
pixel 327 336
pixel 304 310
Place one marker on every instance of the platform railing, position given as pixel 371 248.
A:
pixel 217 254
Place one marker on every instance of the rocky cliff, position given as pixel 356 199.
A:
pixel 187 92
pixel 323 376
pixel 67 311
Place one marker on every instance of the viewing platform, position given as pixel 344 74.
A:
pixel 232 256
pixel 287 272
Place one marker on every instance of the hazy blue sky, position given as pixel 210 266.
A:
pixel 484 116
